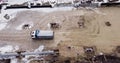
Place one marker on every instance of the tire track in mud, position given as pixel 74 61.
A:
pixel 22 39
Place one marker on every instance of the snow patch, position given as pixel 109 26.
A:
pixel 29 58
pixel 14 60
pixel 8 48
pixel 20 27
pixel 39 49
pixel 2 25
pixel 13 12
pixel 48 10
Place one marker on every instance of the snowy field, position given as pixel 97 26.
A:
pixel 13 12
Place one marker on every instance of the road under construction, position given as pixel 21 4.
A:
pixel 81 35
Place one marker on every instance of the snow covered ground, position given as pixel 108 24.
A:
pixel 20 27
pixel 2 25
pixel 12 49
pixel 13 12
pixel 8 48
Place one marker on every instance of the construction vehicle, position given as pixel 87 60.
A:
pixel 42 34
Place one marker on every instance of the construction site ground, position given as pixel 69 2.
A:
pixel 95 33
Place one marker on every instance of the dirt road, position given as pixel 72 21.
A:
pixel 95 33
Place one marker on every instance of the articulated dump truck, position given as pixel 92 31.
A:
pixel 42 34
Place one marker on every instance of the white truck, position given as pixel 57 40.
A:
pixel 42 34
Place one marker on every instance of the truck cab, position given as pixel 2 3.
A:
pixel 33 34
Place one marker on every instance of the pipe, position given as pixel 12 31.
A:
pixel 7 55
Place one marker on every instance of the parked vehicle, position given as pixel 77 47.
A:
pixel 42 34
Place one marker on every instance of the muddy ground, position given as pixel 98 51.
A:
pixel 95 33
